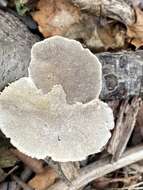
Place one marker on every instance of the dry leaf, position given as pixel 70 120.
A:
pixel 32 163
pixel 60 17
pixel 54 17
pixel 112 35
pixel 99 34
pixel 43 180
pixel 135 31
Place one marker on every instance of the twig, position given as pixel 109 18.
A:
pixel 125 180
pixel 137 168
pixel 124 127
pixel 101 168
pixel 135 185
pixel 4 175
pixel 21 183
pixel 12 170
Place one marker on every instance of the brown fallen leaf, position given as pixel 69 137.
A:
pixel 135 31
pixel 60 17
pixel 43 180
pixel 54 17
pixel 98 34
pixel 32 163
pixel 112 35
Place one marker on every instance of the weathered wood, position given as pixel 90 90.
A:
pixel 122 74
pixel 116 9
pixel 15 45
pixel 101 168
pixel 70 170
pixel 124 127
pixel 67 171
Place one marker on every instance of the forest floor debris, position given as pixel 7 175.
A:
pixel 101 26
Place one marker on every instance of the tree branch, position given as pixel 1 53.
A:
pixel 101 168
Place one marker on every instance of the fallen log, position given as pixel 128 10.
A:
pixel 15 45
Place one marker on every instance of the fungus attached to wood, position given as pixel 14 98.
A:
pixel 46 114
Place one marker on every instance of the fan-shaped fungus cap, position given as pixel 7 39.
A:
pixel 41 125
pixel 59 60
pixel 45 122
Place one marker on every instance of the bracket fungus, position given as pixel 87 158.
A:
pixel 56 111
pixel 58 60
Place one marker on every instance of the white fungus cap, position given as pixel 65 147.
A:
pixel 47 119
pixel 58 60
pixel 45 125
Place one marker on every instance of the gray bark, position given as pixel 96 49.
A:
pixel 122 74
pixel 15 46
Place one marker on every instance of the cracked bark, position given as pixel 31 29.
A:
pixel 122 74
